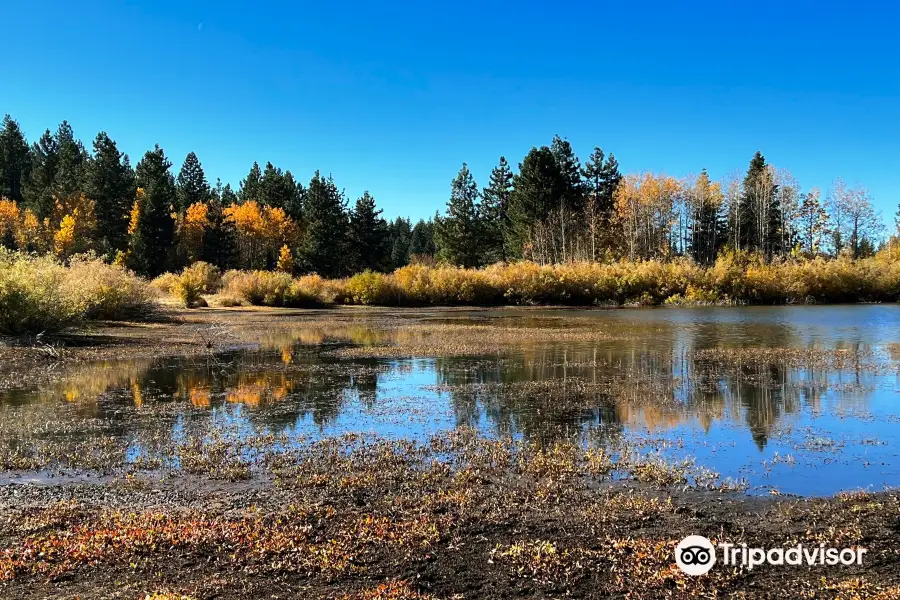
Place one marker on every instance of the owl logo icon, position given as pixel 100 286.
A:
pixel 695 555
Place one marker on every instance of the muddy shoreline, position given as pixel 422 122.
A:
pixel 457 516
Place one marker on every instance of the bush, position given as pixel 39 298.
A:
pixel 111 292
pixel 165 283
pixel 369 287
pixel 189 289
pixel 31 299
pixel 265 288
pixel 38 294
pixel 326 291
pixel 206 274
pixel 735 277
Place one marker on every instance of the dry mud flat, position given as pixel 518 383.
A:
pixel 345 518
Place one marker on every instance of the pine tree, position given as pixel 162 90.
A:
pixel 537 190
pixel 707 231
pixel 571 201
pixel 458 234
pixel 760 223
pixel 154 234
pixel 494 207
pixel 421 241
pixel 279 190
pixel 228 196
pixel 220 240
pixel 601 178
pixel 368 247
pixel 294 197
pixel 109 182
pixel 38 189
pixel 400 233
pixel 325 212
pixel 192 186
pixel 251 186
pixel 15 162
pixel 57 170
pixel 72 158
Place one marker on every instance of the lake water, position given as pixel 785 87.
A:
pixel 803 400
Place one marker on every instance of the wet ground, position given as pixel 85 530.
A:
pixel 545 446
pixel 799 400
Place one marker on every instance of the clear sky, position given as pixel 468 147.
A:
pixel 393 96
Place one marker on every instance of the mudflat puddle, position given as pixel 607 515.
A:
pixel 802 400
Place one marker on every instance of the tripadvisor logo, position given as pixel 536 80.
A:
pixel 696 555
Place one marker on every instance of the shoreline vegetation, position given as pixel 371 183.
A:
pixel 41 294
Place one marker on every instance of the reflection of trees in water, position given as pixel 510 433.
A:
pixel 654 383
pixel 272 389
pixel 499 391
pixel 650 380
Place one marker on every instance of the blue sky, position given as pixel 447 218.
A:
pixel 393 97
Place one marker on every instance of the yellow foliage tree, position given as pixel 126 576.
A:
pixel 285 260
pixel 644 212
pixel 135 216
pixel 31 234
pixel 64 238
pixel 77 225
pixel 193 229
pixel 261 231
pixel 10 216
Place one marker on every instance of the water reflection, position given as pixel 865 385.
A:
pixel 656 383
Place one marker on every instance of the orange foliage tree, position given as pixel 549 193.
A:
pixel 10 217
pixel 261 232
pixel 192 230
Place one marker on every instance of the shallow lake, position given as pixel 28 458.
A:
pixel 798 400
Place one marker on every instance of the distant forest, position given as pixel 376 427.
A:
pixel 60 198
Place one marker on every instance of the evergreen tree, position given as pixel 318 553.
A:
pixel 421 241
pixel 109 182
pixel 400 232
pixel 58 163
pixel 760 216
pixel 369 238
pixel 15 162
pixel 537 190
pixel 571 201
pixel 458 234
pixel 601 178
pixel 279 190
pixel 493 209
pixel 154 234
pixel 294 197
pixel 251 186
pixel 192 186
pixel 708 234
pixel 225 194
pixel 220 239
pixel 69 176
pixel 570 171
pixel 325 211
pixel 38 189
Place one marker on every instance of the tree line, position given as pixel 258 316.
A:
pixel 58 197
pixel 556 210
